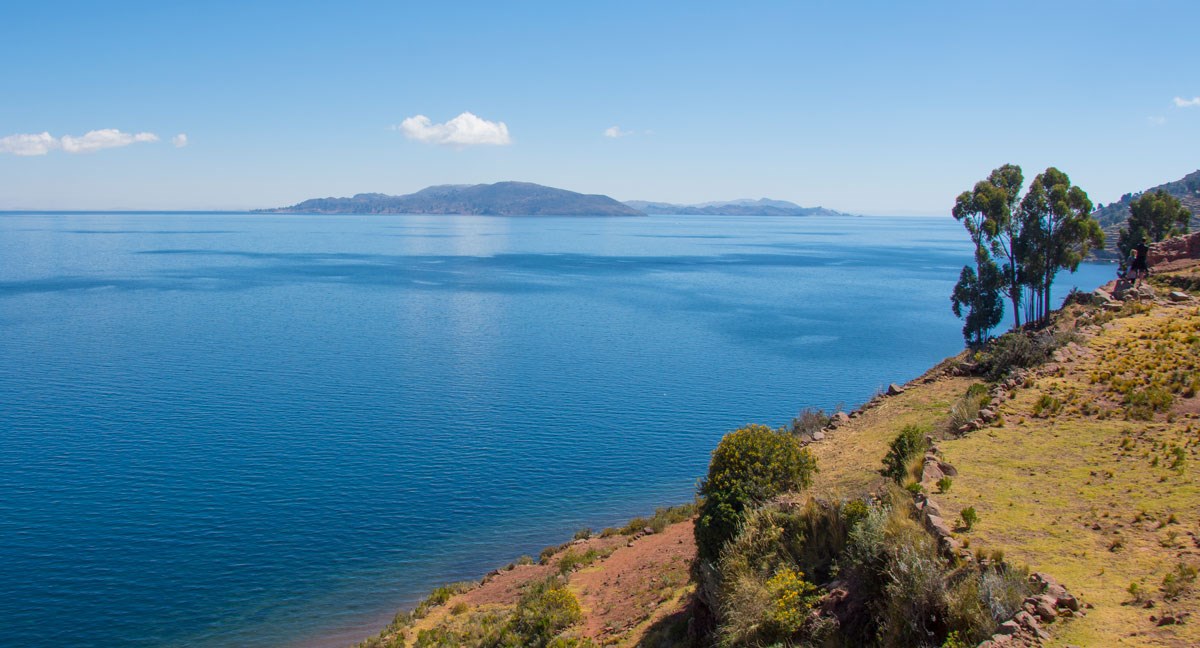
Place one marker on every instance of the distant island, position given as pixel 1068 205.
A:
pixel 529 199
pixel 743 207
pixel 499 199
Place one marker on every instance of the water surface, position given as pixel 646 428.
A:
pixel 255 430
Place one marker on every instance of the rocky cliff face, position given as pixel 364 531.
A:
pixel 1175 249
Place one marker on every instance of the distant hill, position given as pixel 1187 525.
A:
pixel 743 207
pixel 499 199
pixel 1113 215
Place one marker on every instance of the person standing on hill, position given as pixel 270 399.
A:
pixel 1140 270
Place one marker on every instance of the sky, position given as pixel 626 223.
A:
pixel 864 107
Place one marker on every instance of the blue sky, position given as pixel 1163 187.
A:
pixel 869 107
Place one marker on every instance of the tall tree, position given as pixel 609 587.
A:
pixel 977 298
pixel 1057 233
pixel 1153 217
pixel 989 213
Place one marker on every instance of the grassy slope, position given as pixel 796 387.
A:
pixel 1055 492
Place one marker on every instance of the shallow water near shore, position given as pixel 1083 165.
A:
pixel 260 430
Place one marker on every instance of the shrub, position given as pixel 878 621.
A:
pixel 571 560
pixel 904 448
pixel 969 517
pixel 943 484
pixel 748 467
pixel 809 420
pixel 792 598
pixel 1019 349
pixel 966 408
pixel 544 611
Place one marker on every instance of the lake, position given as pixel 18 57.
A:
pixel 260 430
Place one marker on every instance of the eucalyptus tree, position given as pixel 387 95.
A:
pixel 1057 231
pixel 976 297
pixel 988 212
pixel 1153 217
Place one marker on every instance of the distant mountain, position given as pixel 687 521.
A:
pixel 500 199
pixel 1187 190
pixel 742 207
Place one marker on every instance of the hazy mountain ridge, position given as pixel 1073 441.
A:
pixel 740 207
pixel 499 199
pixel 1187 189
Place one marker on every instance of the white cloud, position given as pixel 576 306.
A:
pixel 102 139
pixel 464 130
pixel 43 143
pixel 180 140
pixel 615 132
pixel 21 144
pixel 1157 121
pixel 1180 102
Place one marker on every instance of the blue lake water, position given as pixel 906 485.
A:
pixel 262 430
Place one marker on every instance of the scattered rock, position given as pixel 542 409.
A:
pixel 818 435
pixel 1166 620
pixel 894 390
pixel 1177 296
pixel 1008 628
pixel 987 415
pixel 648 530
pixel 839 418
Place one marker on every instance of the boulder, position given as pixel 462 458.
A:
pixel 1008 628
pixel 1177 296
pixel 894 390
pixel 1045 609
pixel 818 436
pixel 987 414
pixel 937 525
pixel 931 472
pixel 947 469
pixel 839 418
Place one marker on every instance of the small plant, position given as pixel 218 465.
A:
pixel 583 534
pixel 915 488
pixel 792 598
pixel 969 517
pixel 904 448
pixel 944 484
pixel 953 640
pixel 1137 592
pixel 525 560
pixel 1179 581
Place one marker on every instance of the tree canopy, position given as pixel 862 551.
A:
pixel 1154 216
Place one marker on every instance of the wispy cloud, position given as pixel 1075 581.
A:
pixel 43 143
pixel 1180 102
pixel 464 130
pixel 32 144
pixel 1156 120
pixel 615 132
pixel 180 140
pixel 102 139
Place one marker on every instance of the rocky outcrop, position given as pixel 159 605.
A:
pixel 1175 249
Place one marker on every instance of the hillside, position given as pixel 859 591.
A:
pixel 499 199
pixel 1113 215
pixel 1077 453
pixel 743 207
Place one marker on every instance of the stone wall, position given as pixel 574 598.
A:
pixel 1174 249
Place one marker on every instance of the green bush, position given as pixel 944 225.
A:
pixel 545 610
pixel 907 445
pixel 1020 349
pixel 749 466
pixel 969 517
